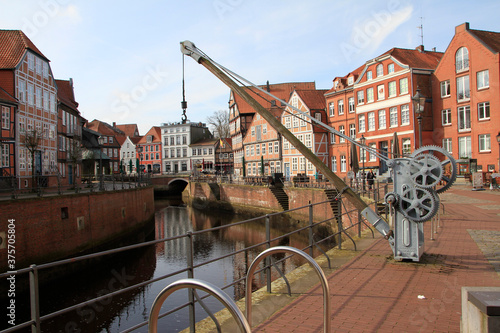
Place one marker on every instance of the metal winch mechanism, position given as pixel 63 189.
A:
pixel 418 179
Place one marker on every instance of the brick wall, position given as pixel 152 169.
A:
pixel 50 228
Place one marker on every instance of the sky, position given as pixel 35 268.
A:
pixel 125 61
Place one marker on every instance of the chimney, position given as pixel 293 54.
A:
pixel 420 48
pixel 114 124
pixel 268 87
pixel 462 27
pixel 433 49
pixel 71 82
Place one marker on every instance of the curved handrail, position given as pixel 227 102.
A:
pixel 204 286
pixel 314 264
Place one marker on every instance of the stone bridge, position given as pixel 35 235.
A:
pixel 168 185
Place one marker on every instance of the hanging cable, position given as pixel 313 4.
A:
pixel 183 103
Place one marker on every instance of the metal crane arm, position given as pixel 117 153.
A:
pixel 188 48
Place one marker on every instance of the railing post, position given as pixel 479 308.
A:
pixel 268 260
pixel 34 300
pixel 190 263
pixel 359 224
pixel 311 240
pixel 339 221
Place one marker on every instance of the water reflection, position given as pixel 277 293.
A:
pixel 120 312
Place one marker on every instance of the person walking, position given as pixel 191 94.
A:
pixel 370 179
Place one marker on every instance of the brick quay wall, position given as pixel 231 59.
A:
pixel 250 198
pixel 51 228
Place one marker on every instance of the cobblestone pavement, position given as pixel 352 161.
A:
pixel 374 293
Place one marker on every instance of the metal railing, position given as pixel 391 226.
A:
pixel 344 221
pixel 17 187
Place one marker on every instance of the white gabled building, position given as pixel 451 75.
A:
pixel 176 139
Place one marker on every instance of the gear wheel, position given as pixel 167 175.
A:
pixel 418 204
pixel 426 170
pixel 447 162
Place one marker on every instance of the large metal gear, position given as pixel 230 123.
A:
pixel 426 170
pixel 447 162
pixel 418 204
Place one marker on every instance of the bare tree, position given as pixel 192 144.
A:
pixel 219 124
pixel 75 156
pixel 31 141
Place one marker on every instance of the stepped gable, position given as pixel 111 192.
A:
pixel 13 45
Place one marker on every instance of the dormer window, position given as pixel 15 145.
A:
pixel 369 75
pixel 380 70
pixel 350 80
pixel 149 139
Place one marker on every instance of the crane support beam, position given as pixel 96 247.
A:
pixel 188 48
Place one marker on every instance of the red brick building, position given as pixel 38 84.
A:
pixel 466 100
pixel 149 151
pixel 25 74
pixel 8 107
pixel 248 130
pixel 69 134
pixel 111 146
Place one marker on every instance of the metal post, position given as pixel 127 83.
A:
pixel 359 224
pixel 311 235
pixel 190 263
pixel 339 223
pixel 419 119
pixel 34 300
pixel 267 262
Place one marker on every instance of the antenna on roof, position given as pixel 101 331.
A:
pixel 421 27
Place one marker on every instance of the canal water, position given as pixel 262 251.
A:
pixel 120 312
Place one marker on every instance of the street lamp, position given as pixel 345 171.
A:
pixel 362 141
pixel 139 149
pixel 101 181
pixel 418 106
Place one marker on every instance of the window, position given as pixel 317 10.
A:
pixel 484 143
pixel 483 110
pixel 369 95
pixel 270 147
pixel 381 119
pixel 317 116
pixel 308 142
pixel 446 117
pixel 403 86
pixel 351 104
pixel 263 149
pixel 31 94
pixel 288 123
pixel 393 117
pixel 392 89
pixel 38 97
pixel 276 147
pixel 406 146
pixel 343 164
pixel 295 121
pixel 46 100
pixel 371 121
pixel 352 131
pixel 257 149
pixel 5 117
pixel 445 88
pixel 342 131
pixel 361 122
pixel 4 162
pixel 334 163
pixel 380 70
pixel 332 137
pixel 464 147
pixel 341 106
pixel 286 144
pixel 405 114
pixel 369 75
pixel 463 89
pixel 463 118
pixel 22 91
pixel 390 68
pixel 252 150
pixel 462 59
pixel 331 108
pixel 447 145
pixel 362 154
pixel 350 80
pixel 361 97
pixel 294 163
pixel 483 79
pixel 372 150
pixel 380 92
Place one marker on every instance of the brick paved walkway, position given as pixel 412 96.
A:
pixel 374 293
